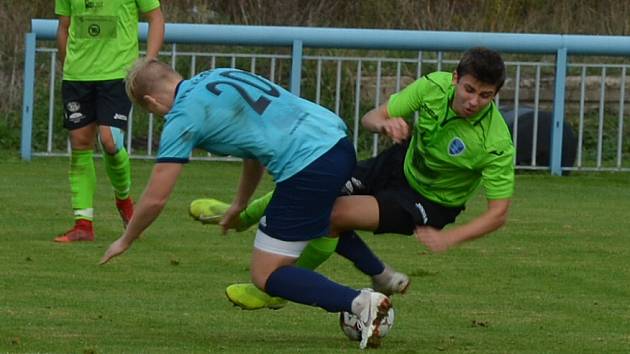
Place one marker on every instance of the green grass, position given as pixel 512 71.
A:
pixel 554 280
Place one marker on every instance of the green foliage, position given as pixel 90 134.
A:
pixel 9 133
pixel 41 124
pixel 609 128
pixel 554 280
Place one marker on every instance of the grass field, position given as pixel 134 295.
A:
pixel 554 280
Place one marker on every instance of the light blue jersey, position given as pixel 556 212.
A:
pixel 237 113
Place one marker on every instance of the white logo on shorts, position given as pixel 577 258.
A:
pixel 120 117
pixel 76 117
pixel 425 218
pixel 350 185
pixel 73 106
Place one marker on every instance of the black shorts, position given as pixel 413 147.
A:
pixel 103 102
pixel 401 208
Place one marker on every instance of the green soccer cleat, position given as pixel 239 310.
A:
pixel 248 297
pixel 208 211
pixel 211 211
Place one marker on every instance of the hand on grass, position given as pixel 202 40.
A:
pixel 432 238
pixel 116 248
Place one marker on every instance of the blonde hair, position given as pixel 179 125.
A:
pixel 146 77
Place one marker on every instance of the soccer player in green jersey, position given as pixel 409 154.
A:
pixel 98 42
pixel 418 186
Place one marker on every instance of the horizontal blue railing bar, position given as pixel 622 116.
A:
pixel 318 37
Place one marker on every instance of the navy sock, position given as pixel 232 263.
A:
pixel 310 288
pixel 352 247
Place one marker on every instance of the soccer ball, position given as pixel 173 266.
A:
pixel 349 324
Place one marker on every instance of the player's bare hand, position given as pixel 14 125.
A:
pixel 231 218
pixel 396 128
pixel 116 248
pixel 432 239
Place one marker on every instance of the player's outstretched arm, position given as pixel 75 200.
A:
pixel 493 218
pixel 153 199
pixel 379 121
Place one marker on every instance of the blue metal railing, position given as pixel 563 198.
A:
pixel 299 38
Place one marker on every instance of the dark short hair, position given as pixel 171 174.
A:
pixel 486 65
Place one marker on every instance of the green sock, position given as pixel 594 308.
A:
pixel 255 210
pixel 119 172
pixel 317 252
pixel 82 183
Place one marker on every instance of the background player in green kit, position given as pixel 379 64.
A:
pixel 459 142
pixel 98 42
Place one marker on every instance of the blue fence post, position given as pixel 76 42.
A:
pixel 558 113
pixel 296 67
pixel 26 149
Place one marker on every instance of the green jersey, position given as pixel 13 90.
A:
pixel 450 156
pixel 102 38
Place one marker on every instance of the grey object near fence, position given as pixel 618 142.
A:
pixel 534 144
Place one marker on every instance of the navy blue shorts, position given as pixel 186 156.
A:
pixel 300 207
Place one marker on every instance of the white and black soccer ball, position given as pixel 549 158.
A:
pixel 349 324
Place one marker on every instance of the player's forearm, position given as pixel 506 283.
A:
pixel 154 198
pixel 62 42
pixel 250 178
pixel 155 38
pixel 491 220
pixel 375 119
pixel 145 213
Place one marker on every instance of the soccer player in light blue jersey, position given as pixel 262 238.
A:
pixel 304 148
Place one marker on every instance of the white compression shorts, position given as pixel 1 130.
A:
pixel 269 244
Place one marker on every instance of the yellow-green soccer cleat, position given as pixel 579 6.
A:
pixel 208 211
pixel 248 297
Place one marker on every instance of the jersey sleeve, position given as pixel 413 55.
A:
pixel 62 7
pixel 147 5
pixel 177 142
pixel 407 101
pixel 498 172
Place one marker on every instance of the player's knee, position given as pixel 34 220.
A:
pixel 109 146
pixel 81 141
pixel 338 219
pixel 81 144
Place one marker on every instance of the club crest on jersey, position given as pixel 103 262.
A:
pixel 456 147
